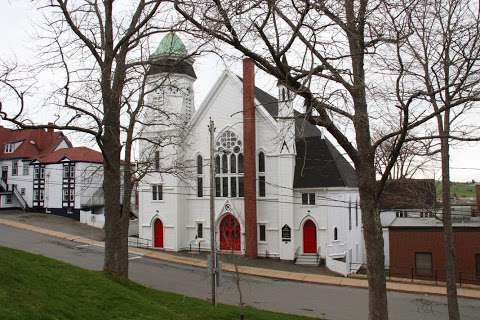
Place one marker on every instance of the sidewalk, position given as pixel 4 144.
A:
pixel 254 271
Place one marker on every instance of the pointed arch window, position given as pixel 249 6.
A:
pixel 261 174
pixel 199 164
pixel 229 165
pixel 199 176
pixel 240 163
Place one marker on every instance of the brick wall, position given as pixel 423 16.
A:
pixel 249 148
pixel 405 242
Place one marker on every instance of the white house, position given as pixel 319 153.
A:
pixel 67 180
pixel 17 149
pixel 282 189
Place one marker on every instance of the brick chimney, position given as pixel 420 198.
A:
pixel 477 193
pixel 249 148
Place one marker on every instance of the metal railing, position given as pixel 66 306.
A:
pixel 139 242
pixel 414 274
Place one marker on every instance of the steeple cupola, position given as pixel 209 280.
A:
pixel 171 56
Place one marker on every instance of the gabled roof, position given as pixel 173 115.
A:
pixel 77 154
pixel 318 163
pixel 408 194
pixel 33 142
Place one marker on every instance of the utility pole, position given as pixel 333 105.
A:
pixel 213 251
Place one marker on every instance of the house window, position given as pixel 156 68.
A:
pixel 218 189
pixel 240 187
pixel 199 164
pixel 224 187
pixel 72 194
pixel 26 169
pixel 157 161
pixel 199 187
pixel 22 191
pixel 423 263
pixel 356 213
pixel 262 233
pixel 8 148
pixel 335 233
pixel 261 162
pixel 233 163
pixel 402 214
pixel 14 167
pixel 36 174
pixel 349 215
pixel 233 187
pixel 261 186
pixel 42 194
pixel 199 230
pixel 42 173
pixel 308 198
pixel 8 198
pixel 157 192
pixel 35 194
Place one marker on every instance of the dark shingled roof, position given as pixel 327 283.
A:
pixel 408 194
pixel 172 65
pixel 318 163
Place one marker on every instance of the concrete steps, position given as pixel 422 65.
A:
pixel 307 259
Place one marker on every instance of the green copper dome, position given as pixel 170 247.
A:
pixel 171 45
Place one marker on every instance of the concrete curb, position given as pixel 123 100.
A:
pixel 253 271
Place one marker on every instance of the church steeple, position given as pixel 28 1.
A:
pixel 171 57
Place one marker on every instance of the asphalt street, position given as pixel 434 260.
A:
pixel 330 302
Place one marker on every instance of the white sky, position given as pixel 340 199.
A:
pixel 18 42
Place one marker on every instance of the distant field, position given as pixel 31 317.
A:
pixel 459 189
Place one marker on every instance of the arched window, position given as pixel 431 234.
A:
pixel 261 162
pixel 240 163
pixel 199 164
pixel 217 164
pixel 229 165
pixel 233 163
pixel 224 164
pixel 335 233
pixel 199 176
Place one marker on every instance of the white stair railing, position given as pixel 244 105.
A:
pixel 20 198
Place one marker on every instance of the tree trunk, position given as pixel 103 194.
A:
pixel 373 236
pixel 449 241
pixel 116 224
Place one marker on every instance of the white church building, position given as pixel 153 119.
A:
pixel 282 190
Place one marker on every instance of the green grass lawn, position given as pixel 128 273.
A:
pixel 458 189
pixel 36 287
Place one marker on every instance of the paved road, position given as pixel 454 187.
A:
pixel 335 303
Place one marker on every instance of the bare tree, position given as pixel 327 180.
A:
pixel 443 58
pixel 100 45
pixel 414 158
pixel 326 52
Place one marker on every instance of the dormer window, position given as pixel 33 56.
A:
pixel 9 148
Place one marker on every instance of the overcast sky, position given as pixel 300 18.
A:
pixel 17 22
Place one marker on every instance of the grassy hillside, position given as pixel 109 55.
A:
pixel 34 287
pixel 459 189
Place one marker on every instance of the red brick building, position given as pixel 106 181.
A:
pixel 419 252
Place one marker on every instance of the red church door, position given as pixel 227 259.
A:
pixel 309 237
pixel 229 234
pixel 158 234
